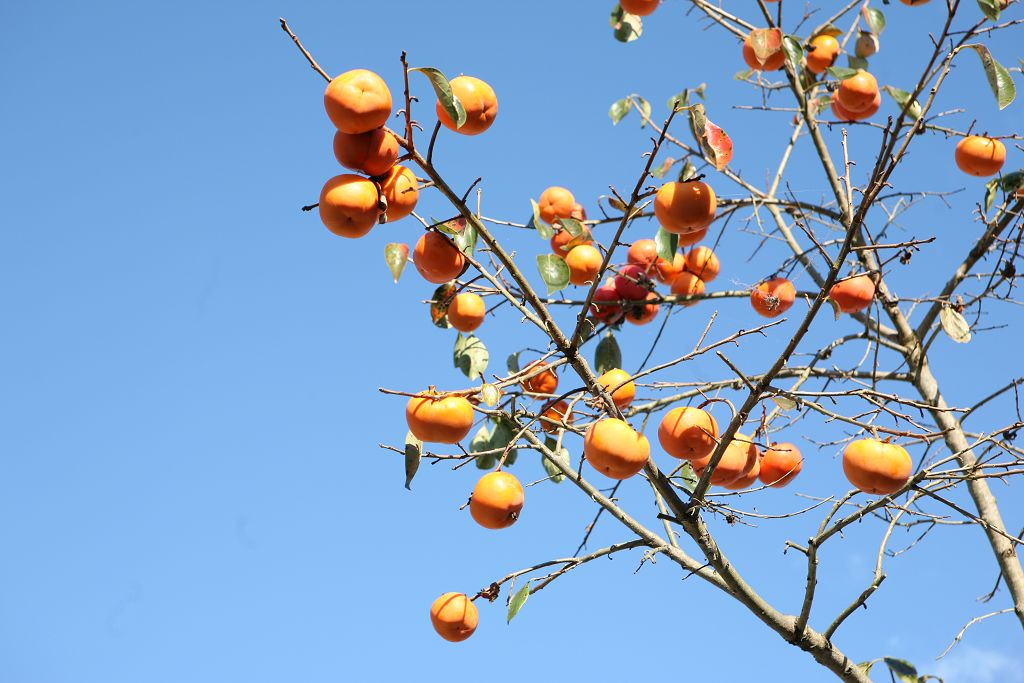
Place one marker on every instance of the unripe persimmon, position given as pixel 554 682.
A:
pixel 780 464
pixel 372 153
pixel 542 383
pixel 854 294
pixel 687 284
pixel 348 205
pixel 688 433
pixel 402 192
pixel 620 385
pixel 980 156
pixel 615 449
pixel 822 53
pixel 875 466
pixel 556 202
pixel 466 311
pixel 497 500
pixel 702 262
pixel 454 617
pixel 584 264
pixel 479 101
pixel 773 297
pixel 357 101
pixel 439 419
pixel 437 259
pixel 685 207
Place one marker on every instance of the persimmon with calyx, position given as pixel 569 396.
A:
pixel 349 205
pixel 702 262
pixel 620 386
pixel 780 464
pixel 665 272
pixel 454 617
pixel 773 297
pixel 688 433
pixel 584 264
pixel 738 458
pixel 633 283
pixel 402 192
pixel 466 311
pixel 372 153
pixel 641 314
pixel 602 306
pixel 685 207
pixel 772 40
pixel 687 284
pixel 822 53
pixel 875 466
pixel 641 8
pixel 563 241
pixel 357 101
pixel 437 259
pixel 980 156
pixel 555 416
pixel 643 253
pixel 439 419
pixel 556 202
pixel 842 114
pixel 857 93
pixel 479 101
pixel 497 500
pixel 615 449
pixel 543 382
pixel 853 294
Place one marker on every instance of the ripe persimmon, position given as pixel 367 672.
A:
pixel 822 53
pixel 600 306
pixel 702 262
pixel 688 433
pixel 643 253
pixel 372 153
pixel 556 202
pixel 439 419
pixel 555 416
pixel 357 101
pixel 641 8
pixel 772 62
pixel 685 207
pixel 348 205
pixel 615 449
pixel 854 294
pixel 542 383
pixel 980 156
pixel 687 284
pixel 857 93
pixel 750 475
pixel 437 259
pixel 665 272
pixel 620 385
pixel 875 466
pixel 842 114
pixel 479 101
pixel 633 283
pixel 402 192
pixel 688 239
pixel 584 263
pixel 773 297
pixel 454 617
pixel 780 464
pixel 466 311
pixel 641 314
pixel 563 241
pixel 497 500
pixel 738 458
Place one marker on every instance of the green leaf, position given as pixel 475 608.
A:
pixel 439 303
pixel 512 363
pixel 679 100
pixel 1012 182
pixel 690 477
pixel 875 20
pixel 575 227
pixel 618 110
pixel 554 272
pixel 645 109
pixel 470 356
pixel 839 73
pixel 486 462
pixel 667 243
pixel 413 452
pixel 990 8
pixel 607 355
pixel 904 671
pixel 396 255
pixel 561 454
pixel 481 441
pixel 866 666
pixel 990 192
pixel 626 27
pixel 466 239
pixel 538 224
pixel 517 601
pixel 661 170
pixel 998 77
pixel 855 62
pixel 902 97
pixel 502 434
pixel 794 51
pixel 688 171
pixel 449 102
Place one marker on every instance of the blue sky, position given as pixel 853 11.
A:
pixel 190 483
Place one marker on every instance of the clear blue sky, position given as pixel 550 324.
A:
pixel 190 484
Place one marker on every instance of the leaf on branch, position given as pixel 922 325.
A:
pixel 904 671
pixel 481 441
pixel 538 224
pixel 607 355
pixel 1012 183
pixel 839 73
pixel 513 362
pixel 439 303
pixel 714 142
pixel 783 402
pixel 825 30
pixel 688 475
pixel 682 100
pixel 443 89
pixel 396 255
pixel 618 110
pixel 902 97
pixel 990 8
pixel 954 324
pixel 855 62
pixel 516 602
pixel 645 110
pixel 875 20
pixel 688 171
pixel 990 193
pixel 835 308
pixel 413 452
pixel 998 77
pixel 490 395
pixel 661 170
pixel 766 43
pixel 501 436
pixel 470 356
pixel 573 226
pixel 794 52
pixel 626 27
pixel 554 272
pixel 667 243
pixel 560 454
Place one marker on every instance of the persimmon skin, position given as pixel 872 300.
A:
pixel 479 101
pixel 556 414
pixel 826 49
pixel 738 458
pixel 853 295
pixel 439 419
pixel 685 207
pixel 641 8
pixel 702 262
pixel 643 253
pixel 877 467
pixel 773 297
pixel 633 283
pixel 603 311
pixel 665 272
pixel 626 391
pixel 773 63
pixel 402 192
pixel 980 156
pixel 372 153
pixel 641 314
pixel 687 284
pixel 857 93
pixel 357 101
pixel 688 239
pixel 348 205
pixel 584 263
pixel 497 500
pixel 688 433
pixel 562 238
pixel 454 617
pixel 842 114
pixel 466 311
pixel 780 465
pixel 556 202
pixel 750 474
pixel 437 259
pixel 543 383
pixel 615 449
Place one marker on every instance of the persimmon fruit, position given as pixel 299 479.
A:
pixel 702 262
pixel 497 500
pixel 773 297
pixel 466 311
pixel 687 284
pixel 980 156
pixel 372 153
pixel 858 92
pixel 780 464
pixel 620 384
pixel 454 617
pixel 602 308
pixel 479 101
pixel 357 101
pixel 556 202
pixel 402 192
pixel 688 433
pixel 822 53
pixel 773 62
pixel 439 419
pixel 633 283
pixel 641 314
pixel 854 294
pixel 615 449
pixel 437 259
pixel 877 467
pixel 542 383
pixel 584 263
pixel 685 207
pixel 348 205
pixel 641 8
pixel 555 416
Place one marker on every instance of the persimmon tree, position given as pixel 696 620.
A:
pixel 906 449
